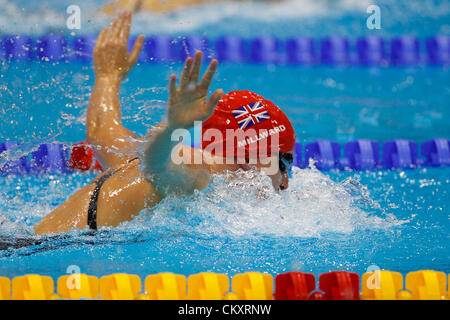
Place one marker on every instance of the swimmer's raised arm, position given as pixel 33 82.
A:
pixel 186 104
pixel 112 63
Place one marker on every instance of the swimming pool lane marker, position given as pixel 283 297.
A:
pixel 335 285
pixel 360 154
pixel 333 50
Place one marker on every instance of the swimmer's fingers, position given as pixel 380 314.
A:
pixel 112 29
pixel 195 72
pixel 184 79
pixel 117 27
pixel 209 74
pixel 172 89
pixel 136 50
pixel 125 28
pixel 213 101
pixel 101 39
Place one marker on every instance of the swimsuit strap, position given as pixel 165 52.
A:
pixel 92 211
pixel 131 160
pixel 93 201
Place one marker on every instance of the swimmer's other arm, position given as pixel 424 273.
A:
pixel 112 63
pixel 186 104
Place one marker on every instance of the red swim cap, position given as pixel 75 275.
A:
pixel 256 119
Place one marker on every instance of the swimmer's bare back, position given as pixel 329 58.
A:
pixel 121 197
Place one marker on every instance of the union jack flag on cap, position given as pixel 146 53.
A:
pixel 250 114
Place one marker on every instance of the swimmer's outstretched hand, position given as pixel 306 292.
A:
pixel 187 103
pixel 111 57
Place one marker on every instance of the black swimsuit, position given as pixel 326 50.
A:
pixel 93 201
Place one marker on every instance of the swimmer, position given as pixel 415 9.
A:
pixel 156 5
pixel 130 184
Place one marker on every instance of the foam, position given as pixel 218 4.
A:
pixel 248 206
pixel 242 207
pixel 26 199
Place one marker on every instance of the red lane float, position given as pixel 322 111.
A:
pixel 82 158
pixel 340 285
pixel 294 285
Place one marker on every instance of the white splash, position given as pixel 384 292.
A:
pixel 312 206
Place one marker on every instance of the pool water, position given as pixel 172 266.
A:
pixel 340 104
pixel 396 220
pixel 335 220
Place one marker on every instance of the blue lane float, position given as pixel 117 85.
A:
pixel 52 48
pixel 438 49
pixel 230 49
pixel 48 158
pixel 371 50
pixel 264 50
pixel 436 152
pixel 17 47
pixel 300 50
pixel 361 154
pixel 17 166
pixel 157 49
pixel 333 50
pixel 400 154
pixel 365 154
pixel 183 48
pixel 324 152
pixel 82 48
pixel 405 51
